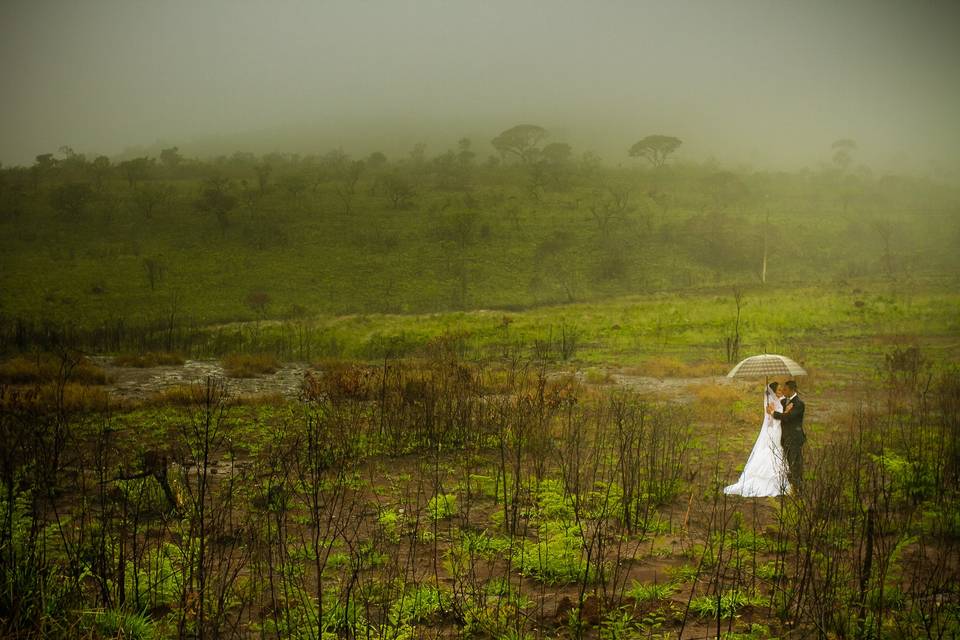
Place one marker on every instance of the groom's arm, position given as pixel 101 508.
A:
pixel 779 414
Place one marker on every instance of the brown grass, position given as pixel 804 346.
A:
pixel 181 395
pixel 149 359
pixel 187 395
pixel 46 368
pixel 249 366
pixel 76 398
pixel 275 399
pixel 718 395
pixel 666 367
pixel 498 380
pixel 596 375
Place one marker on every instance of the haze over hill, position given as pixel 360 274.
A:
pixel 769 84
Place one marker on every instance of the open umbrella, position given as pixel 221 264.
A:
pixel 768 365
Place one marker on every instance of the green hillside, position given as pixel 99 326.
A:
pixel 244 237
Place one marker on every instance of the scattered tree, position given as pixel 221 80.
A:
pixel 459 228
pixel 726 188
pixel 71 198
pixel 521 141
pixel 656 149
pixel 550 168
pixel 136 169
pixel 347 184
pixel 44 167
pixel 843 152
pixel 557 152
pixel 258 302
pixel 886 230
pixel 452 174
pixel 73 164
pixel 556 260
pixel 295 184
pixel 589 164
pixel 154 270
pixel 376 160
pixel 732 340
pixel 465 154
pixel 263 171
pixel 216 199
pixel 150 197
pixel 610 205
pixel 170 158
pixel 418 155
pixel 399 191
pixel 100 168
pixel 250 197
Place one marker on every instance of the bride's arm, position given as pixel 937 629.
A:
pixel 779 414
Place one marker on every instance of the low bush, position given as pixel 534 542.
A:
pixel 181 395
pixel 249 366
pixel 48 368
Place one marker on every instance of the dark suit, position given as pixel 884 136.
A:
pixel 792 437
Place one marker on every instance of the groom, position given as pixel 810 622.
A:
pixel 792 436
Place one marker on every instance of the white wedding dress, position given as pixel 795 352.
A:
pixel 765 473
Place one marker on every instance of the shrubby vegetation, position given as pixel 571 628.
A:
pixel 486 499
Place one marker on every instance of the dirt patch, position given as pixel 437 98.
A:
pixel 133 383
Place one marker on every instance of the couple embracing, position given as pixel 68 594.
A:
pixel 775 465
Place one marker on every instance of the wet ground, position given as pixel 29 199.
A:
pixel 134 383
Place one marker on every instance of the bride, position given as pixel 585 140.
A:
pixel 765 473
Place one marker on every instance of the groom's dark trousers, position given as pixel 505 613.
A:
pixel 792 438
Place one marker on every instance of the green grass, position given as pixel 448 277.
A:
pixel 442 506
pixel 819 326
pixel 650 592
pixel 728 604
pixel 124 624
pixel 417 605
pixel 557 556
pixel 390 521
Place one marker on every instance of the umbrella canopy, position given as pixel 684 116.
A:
pixel 766 364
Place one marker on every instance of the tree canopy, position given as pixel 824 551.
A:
pixel 521 141
pixel 656 149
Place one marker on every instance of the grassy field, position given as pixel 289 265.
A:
pixel 846 329
pixel 691 326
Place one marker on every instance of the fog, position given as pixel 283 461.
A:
pixel 760 83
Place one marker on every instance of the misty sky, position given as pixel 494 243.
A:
pixel 761 82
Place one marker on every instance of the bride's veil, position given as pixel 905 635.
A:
pixel 769 397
